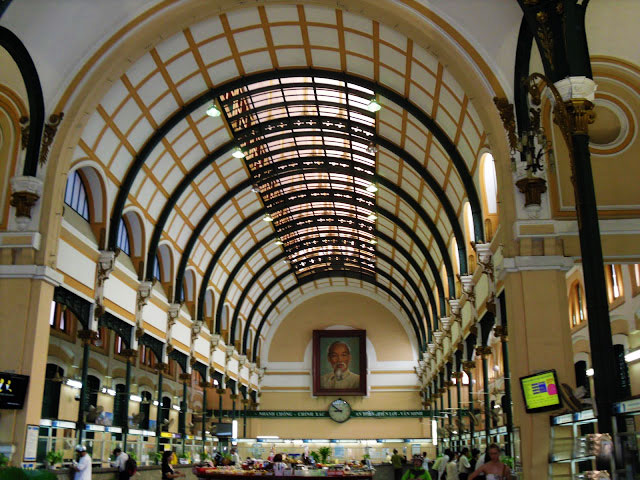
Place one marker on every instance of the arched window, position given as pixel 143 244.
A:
pixel 577 306
pixel 123 238
pixel 634 270
pixel 164 413
pixel 51 397
pixel 156 269
pixel 490 183
pixel 61 319
pixel 75 195
pixel 615 290
pixel 147 357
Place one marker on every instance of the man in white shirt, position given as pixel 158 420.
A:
pixel 442 466
pixel 464 466
pixel 339 356
pixel 452 468
pixel 83 466
pixel 120 463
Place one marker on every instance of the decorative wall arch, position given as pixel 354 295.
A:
pixel 489 188
pixel 133 220
pixel 92 177
pixel 164 257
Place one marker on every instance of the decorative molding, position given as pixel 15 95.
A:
pixel 541 262
pixel 572 88
pixel 26 191
pixel 20 240
pixel 48 134
pixel 35 272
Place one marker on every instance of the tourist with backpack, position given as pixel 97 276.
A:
pixel 120 463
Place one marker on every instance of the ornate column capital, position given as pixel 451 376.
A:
pixel 242 361
pixel 438 334
pixel 216 338
pixel 25 193
pixel 106 264
pixel 144 292
pixel 483 351
pixel 468 286
pixel 446 324
pixel 571 88
pixel 500 331
pixel 469 365
pixel 87 336
pixel 185 377
pixel 160 367
pixel 229 351
pixel 432 349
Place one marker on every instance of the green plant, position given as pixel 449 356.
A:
pixel 316 456
pixel 15 473
pixel 54 457
pixel 158 457
pixel 4 460
pixel 508 461
pixel 133 455
pixel 324 453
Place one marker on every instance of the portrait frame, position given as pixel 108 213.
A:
pixel 322 340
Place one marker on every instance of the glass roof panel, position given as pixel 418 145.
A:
pixel 307 146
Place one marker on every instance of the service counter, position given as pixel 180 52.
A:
pixel 151 472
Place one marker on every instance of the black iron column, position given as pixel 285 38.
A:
pixel 602 357
pixel 204 417
pixel 469 366
pixel 87 337
pixel 244 417
pixel 483 351
pixel 131 355
pixel 184 408
pixel 502 332
pixel 159 407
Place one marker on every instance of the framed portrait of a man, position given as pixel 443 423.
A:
pixel 339 362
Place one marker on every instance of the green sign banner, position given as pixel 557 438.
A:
pixel 324 413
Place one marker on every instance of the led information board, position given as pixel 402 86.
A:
pixel 540 391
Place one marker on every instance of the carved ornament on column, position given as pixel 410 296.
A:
pixel 438 334
pixel 48 134
pixel 483 351
pixel 469 365
pixel 445 322
pixel 25 193
pixel 500 331
pixel 432 349
pixel 242 361
pixel 87 336
pixel 185 377
pixel 130 353
pixel 216 338
pixel 160 367
pixel 456 317
pixel 457 375
pixel 468 288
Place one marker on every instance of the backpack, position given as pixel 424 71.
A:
pixel 130 466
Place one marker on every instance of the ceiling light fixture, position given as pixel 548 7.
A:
pixel 372 216
pixel 267 218
pixel 213 110
pixel 372 188
pixel 373 241
pixel 238 153
pixel 373 106
pixel 372 148
pixel 279 242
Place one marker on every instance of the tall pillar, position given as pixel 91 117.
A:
pixel 159 408
pixel 131 356
pixel 24 343
pixel 204 417
pixel 537 309
pixel 87 336
pixel 468 368
pixel 580 112
pixel 501 331
pixel 184 407
pixel 483 351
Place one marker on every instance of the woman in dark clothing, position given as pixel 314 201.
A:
pixel 167 470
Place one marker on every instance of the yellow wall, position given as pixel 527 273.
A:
pixel 294 334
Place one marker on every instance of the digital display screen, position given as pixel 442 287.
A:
pixel 540 391
pixel 13 389
pixel 222 429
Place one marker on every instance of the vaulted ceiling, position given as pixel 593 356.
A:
pixel 296 140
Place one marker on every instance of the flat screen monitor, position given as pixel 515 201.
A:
pixel 13 389
pixel 541 391
pixel 222 429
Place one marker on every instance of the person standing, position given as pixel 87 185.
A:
pixel 396 461
pixel 441 464
pixel 83 467
pixel 278 465
pixel 235 458
pixel 494 469
pixel 120 463
pixel 452 467
pixel 464 467
pixel 417 472
pixel 426 461
pixel 168 472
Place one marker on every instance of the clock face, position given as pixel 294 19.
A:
pixel 339 410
